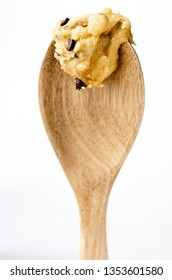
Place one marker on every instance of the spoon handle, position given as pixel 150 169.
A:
pixel 93 245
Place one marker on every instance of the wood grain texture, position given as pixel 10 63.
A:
pixel 92 132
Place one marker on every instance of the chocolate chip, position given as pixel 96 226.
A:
pixel 70 44
pixel 64 21
pixel 79 84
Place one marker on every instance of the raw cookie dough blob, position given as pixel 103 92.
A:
pixel 87 46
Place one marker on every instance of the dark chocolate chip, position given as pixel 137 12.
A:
pixel 79 84
pixel 70 44
pixel 64 21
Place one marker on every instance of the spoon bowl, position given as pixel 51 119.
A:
pixel 92 132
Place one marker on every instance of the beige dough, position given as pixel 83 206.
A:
pixel 87 46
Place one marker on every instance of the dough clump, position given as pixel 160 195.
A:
pixel 87 46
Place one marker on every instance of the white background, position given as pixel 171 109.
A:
pixel 38 212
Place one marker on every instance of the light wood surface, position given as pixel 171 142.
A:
pixel 92 132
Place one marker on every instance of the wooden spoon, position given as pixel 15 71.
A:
pixel 92 132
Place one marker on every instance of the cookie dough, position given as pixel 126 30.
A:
pixel 87 46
